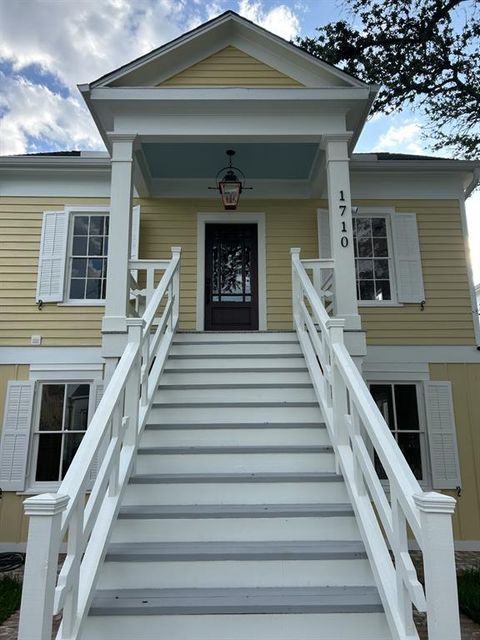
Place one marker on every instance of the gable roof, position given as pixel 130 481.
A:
pixel 227 23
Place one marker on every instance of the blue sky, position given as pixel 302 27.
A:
pixel 47 47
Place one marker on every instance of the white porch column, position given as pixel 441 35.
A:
pixel 341 233
pixel 116 301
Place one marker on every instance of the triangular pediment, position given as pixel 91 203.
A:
pixel 228 51
pixel 230 67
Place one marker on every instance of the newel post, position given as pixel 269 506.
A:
pixel 339 389
pixel 436 512
pixel 176 252
pixel 40 577
pixel 133 386
pixel 296 287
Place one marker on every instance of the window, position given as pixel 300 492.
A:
pixel 372 258
pixel 60 424
pixel 399 404
pixel 88 257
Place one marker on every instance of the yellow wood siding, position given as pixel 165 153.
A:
pixel 465 379
pixel 20 229
pixel 289 223
pixel 447 316
pixel 446 319
pixel 13 524
pixel 230 67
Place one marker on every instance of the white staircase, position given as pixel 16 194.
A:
pixel 235 525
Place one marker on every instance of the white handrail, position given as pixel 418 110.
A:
pixel 86 521
pixel 357 430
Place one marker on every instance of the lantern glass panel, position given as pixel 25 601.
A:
pixel 230 194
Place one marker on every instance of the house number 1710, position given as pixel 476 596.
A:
pixel 343 208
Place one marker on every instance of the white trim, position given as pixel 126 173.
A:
pixel 471 285
pixel 422 353
pixel 66 372
pixel 396 371
pixel 50 355
pixel 232 218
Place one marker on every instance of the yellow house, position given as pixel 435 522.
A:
pixel 239 362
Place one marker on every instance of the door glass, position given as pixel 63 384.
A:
pixel 230 264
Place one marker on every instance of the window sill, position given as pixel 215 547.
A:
pixel 82 303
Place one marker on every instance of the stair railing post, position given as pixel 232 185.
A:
pixel 339 388
pixel 40 576
pixel 176 252
pixel 133 386
pixel 296 287
pixel 436 512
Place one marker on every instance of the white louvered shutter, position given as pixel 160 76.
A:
pixel 442 438
pixel 17 424
pixel 53 251
pixel 323 228
pixel 97 391
pixel 408 263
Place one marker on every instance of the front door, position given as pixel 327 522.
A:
pixel 231 277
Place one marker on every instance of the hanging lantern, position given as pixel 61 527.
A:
pixel 229 185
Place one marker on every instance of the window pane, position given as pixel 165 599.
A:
pixel 382 290
pixel 71 443
pixel 107 222
pixel 363 228
pixel 79 246
pixel 380 247
pixel 94 289
pixel 365 248
pixel 367 290
pixel 105 246
pixel 80 226
pixel 365 269
pixel 407 407
pixel 382 394
pixel 96 225
pixel 51 408
pixel 48 459
pixel 77 289
pixel 379 228
pixel 409 443
pixel 95 246
pixel 95 267
pixel 79 267
pixel 381 269
pixel 76 410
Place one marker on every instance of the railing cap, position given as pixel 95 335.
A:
pixel 338 323
pixel 434 502
pixel 295 251
pixel 135 322
pixel 46 504
pixel 176 250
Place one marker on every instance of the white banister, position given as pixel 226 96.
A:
pixel 357 429
pixel 83 519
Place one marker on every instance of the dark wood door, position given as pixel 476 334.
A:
pixel 231 277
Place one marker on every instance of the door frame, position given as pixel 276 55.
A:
pixel 232 218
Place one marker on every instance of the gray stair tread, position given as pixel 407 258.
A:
pixel 237 385
pixel 236 425
pixel 250 449
pixel 227 355
pixel 231 404
pixel 235 550
pixel 236 601
pixel 216 511
pixel 235 369
pixel 209 478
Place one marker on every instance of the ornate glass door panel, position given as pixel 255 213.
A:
pixel 231 289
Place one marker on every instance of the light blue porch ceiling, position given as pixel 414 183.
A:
pixel 267 161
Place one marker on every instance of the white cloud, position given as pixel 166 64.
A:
pixel 41 114
pixel 280 19
pixel 403 138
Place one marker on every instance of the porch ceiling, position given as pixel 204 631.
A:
pixel 258 161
